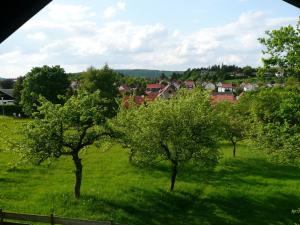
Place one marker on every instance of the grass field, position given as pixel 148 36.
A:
pixel 246 190
pixel 240 80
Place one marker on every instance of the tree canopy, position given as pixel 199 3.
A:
pixel 276 122
pixel 106 81
pixel 179 130
pixel 49 82
pixel 7 83
pixel 282 52
pixel 233 122
pixel 59 130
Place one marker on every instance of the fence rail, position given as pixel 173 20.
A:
pixel 4 216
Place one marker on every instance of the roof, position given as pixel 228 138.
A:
pixel 9 92
pixel 139 100
pixel 189 82
pixel 154 86
pixel 218 97
pixel 227 85
pixel 123 88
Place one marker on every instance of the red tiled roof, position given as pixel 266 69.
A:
pixel 139 100
pixel 227 86
pixel 152 96
pixel 154 86
pixel 189 82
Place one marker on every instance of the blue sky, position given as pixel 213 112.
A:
pixel 156 34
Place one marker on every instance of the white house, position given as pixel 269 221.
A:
pixel 209 86
pixel 250 87
pixel 226 88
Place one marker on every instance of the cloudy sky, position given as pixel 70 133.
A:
pixel 152 34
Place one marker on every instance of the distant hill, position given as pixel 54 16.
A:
pixel 145 72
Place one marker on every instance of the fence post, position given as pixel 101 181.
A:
pixel 1 217
pixel 52 219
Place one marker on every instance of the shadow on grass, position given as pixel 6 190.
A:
pixel 235 170
pixel 161 207
pixel 230 204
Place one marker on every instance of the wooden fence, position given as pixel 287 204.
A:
pixel 23 219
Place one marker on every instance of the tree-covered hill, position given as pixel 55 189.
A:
pixel 146 73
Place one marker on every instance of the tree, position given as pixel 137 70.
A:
pixel 276 122
pixel 7 83
pixel 163 76
pixel 180 130
pixel 105 80
pixel 65 130
pixel 248 71
pixel 282 52
pixel 18 87
pixel 49 82
pixel 234 123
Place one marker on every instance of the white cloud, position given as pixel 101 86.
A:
pixel 20 63
pixel 75 40
pixel 65 17
pixel 111 11
pixel 39 36
pixel 69 12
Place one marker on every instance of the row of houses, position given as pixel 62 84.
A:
pixel 219 91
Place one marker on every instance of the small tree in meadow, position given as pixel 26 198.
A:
pixel 65 130
pixel 233 122
pixel 180 130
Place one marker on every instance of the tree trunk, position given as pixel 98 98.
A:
pixel 173 176
pixel 234 147
pixel 78 174
pixel 130 156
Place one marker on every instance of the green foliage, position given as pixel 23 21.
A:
pixel 49 82
pixel 282 51
pixel 144 73
pixel 65 130
pixel 179 130
pixel 234 122
pixel 216 73
pixel 18 87
pixel 105 80
pixel 248 71
pixel 137 83
pixel 276 122
pixel 6 83
pixel 296 212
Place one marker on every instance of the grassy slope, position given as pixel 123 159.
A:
pixel 245 190
pixel 237 80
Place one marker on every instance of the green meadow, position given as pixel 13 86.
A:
pixel 248 189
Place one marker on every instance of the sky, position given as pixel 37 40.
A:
pixel 143 34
